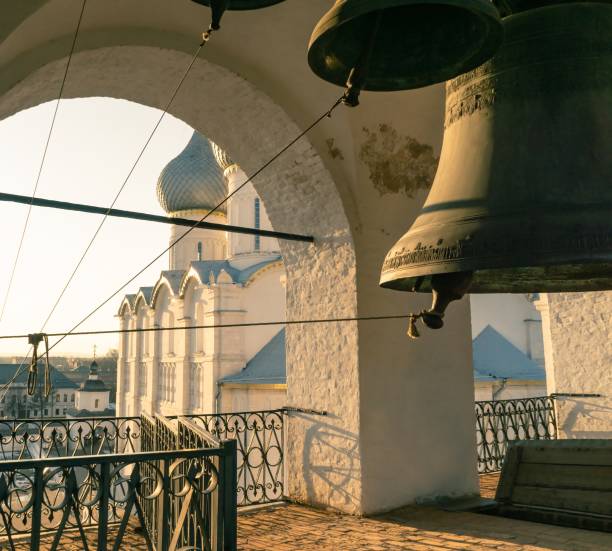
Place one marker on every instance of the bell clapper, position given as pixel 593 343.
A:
pixel 445 288
pixel 217 7
pixel 359 73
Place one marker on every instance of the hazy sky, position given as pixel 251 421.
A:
pixel 94 143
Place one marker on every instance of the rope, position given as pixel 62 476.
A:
pixel 213 326
pixel 42 162
pixel 35 339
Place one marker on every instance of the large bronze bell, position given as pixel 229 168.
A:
pixel 413 43
pixel 522 199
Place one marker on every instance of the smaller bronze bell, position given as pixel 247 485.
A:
pixel 218 8
pixel 416 42
pixel 243 4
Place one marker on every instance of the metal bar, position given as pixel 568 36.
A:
pixel 138 457
pixel 216 521
pixel 230 491
pixel 574 395
pixel 305 411
pixel 133 215
pixel 103 503
pixel 163 509
pixel 36 508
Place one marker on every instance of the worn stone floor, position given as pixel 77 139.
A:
pixel 298 528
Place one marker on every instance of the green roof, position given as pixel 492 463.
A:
pixel 58 380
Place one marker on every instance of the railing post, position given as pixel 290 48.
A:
pixel 37 509
pixel 163 509
pixel 229 499
pixel 103 503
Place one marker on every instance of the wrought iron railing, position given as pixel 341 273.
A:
pixel 260 442
pixel 190 516
pixel 502 421
pixel 259 437
pixel 36 439
pixel 50 496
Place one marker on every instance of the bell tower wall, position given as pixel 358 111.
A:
pixel 577 331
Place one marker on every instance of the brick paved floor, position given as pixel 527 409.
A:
pixel 488 485
pixel 298 528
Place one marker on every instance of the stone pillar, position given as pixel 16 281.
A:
pixel 122 364
pixel 183 366
pixel 400 423
pixel 152 376
pixel 224 347
pixel 578 354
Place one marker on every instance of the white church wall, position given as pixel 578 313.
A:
pixel 237 398
pixel 92 401
pixel 246 209
pixel 265 296
pixel 483 392
pixel 510 390
pixel 507 314
pixel 213 243
pixel 521 389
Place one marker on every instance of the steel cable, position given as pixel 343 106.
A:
pixel 326 114
pixel 206 37
pixel 125 181
pixel 42 162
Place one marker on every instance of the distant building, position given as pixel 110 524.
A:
pixel 17 404
pixel 514 316
pixel 77 370
pixel 214 278
pixel 502 371
pixel 92 398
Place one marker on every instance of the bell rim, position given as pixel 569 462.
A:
pixel 602 262
pixel 486 12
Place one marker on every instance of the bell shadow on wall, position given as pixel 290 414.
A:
pixel 579 415
pixel 323 441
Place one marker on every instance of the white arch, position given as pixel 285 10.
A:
pixel 367 376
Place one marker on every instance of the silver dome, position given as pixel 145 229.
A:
pixel 223 159
pixel 193 180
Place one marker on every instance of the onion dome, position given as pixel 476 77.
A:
pixel 223 159
pixel 193 180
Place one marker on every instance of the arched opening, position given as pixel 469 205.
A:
pixel 372 383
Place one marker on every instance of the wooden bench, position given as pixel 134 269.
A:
pixel 565 482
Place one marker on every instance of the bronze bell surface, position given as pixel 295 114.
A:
pixel 522 199
pixel 413 43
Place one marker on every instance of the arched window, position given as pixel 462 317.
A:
pixel 257 223
pixel 199 250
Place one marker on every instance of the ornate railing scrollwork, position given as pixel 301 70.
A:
pixel 50 496
pixel 502 421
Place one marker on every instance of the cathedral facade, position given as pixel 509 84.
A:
pixel 214 278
